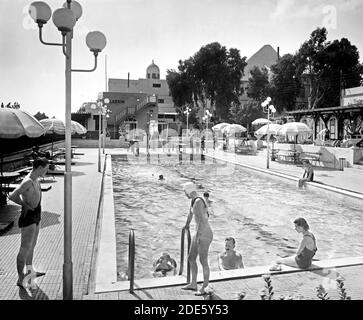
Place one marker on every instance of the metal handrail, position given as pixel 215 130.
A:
pixel 131 270
pixel 182 252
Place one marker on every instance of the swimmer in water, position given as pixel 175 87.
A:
pixel 161 177
pixel 165 264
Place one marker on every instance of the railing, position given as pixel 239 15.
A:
pixel 182 252
pixel 131 260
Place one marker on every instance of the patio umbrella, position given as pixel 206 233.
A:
pixel 220 126
pixel 15 123
pixel 294 129
pixel 234 128
pixel 273 129
pixel 260 121
pixel 58 126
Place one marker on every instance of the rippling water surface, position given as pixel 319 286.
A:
pixel 256 209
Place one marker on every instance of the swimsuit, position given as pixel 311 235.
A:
pixel 305 257
pixel 203 230
pixel 28 217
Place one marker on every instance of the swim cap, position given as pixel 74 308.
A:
pixel 189 187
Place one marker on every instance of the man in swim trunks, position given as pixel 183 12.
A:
pixel 28 194
pixel 230 259
pixel 305 252
pixel 201 239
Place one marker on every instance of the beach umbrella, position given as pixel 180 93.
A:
pixel 15 123
pixel 294 129
pixel 273 129
pixel 234 128
pixel 58 126
pixel 220 126
pixel 78 127
pixel 260 121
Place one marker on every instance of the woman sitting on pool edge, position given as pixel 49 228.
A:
pixel 305 252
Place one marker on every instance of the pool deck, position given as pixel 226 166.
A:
pixel 87 180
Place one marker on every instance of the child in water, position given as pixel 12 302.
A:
pixel 208 202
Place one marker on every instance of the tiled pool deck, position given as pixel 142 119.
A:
pixel 48 255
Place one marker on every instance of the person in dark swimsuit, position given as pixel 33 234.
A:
pixel 306 251
pixel 28 194
pixel 308 174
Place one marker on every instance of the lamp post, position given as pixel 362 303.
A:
pixel 101 109
pixel 187 111
pixel 206 117
pixel 149 116
pixel 65 19
pixel 267 108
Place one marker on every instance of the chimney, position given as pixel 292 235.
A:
pixel 128 79
pixel 278 53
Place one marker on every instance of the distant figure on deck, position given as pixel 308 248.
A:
pixel 308 174
pixel 230 259
pixel 305 252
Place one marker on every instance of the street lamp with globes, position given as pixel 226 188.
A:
pixel 187 111
pixel 267 108
pixel 65 19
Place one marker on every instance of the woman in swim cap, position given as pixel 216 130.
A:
pixel 201 239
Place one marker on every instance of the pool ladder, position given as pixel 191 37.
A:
pixel 131 273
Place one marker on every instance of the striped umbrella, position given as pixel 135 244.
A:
pixel 15 123
pixel 58 126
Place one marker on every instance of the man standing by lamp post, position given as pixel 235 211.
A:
pixel 267 108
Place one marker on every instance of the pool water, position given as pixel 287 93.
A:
pixel 256 209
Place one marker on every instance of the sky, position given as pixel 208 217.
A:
pixel 139 31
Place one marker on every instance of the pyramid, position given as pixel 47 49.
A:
pixel 266 56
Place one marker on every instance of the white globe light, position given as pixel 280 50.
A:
pixel 40 12
pixel 76 9
pixel 268 99
pixel 64 19
pixel 264 104
pixel 93 106
pixel 96 41
pixel 106 100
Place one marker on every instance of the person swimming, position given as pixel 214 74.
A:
pixel 165 264
pixel 161 177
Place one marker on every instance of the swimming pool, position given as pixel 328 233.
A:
pixel 255 208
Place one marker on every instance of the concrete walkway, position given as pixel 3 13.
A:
pixel 48 255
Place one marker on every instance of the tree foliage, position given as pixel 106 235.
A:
pixel 258 84
pixel 285 85
pixel 40 116
pixel 212 75
pixel 318 70
pixel 244 114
